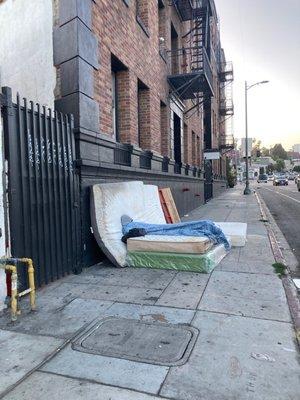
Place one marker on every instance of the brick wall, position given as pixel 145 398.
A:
pixel 135 40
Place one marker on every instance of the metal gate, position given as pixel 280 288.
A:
pixel 43 188
pixel 208 181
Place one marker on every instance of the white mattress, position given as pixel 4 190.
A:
pixel 170 244
pixel 109 201
pixel 236 232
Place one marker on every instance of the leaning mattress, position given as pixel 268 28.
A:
pixel 204 263
pixel 169 244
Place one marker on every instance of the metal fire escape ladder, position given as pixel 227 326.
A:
pixel 194 78
pixel 226 105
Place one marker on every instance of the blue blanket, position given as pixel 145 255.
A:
pixel 204 228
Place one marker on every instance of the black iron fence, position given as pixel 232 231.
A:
pixel 177 168
pixel 145 160
pixel 122 155
pixel 165 164
pixel 43 188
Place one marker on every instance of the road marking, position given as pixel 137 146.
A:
pixel 281 194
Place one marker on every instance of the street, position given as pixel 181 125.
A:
pixel 284 204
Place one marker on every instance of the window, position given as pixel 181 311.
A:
pixel 198 151
pixel 143 116
pixel 118 80
pixel 164 130
pixel 162 28
pixel 177 139
pixel 114 105
pixel 186 143
pixel 174 50
pixel 194 156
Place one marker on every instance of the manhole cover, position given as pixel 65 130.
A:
pixel 153 343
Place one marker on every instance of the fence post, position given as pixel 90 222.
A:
pixel 6 112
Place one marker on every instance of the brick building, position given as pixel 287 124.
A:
pixel 147 82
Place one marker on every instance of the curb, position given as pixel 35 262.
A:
pixel 288 284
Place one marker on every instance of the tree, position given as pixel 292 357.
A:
pixel 297 168
pixel 265 152
pixel 280 165
pixel 230 173
pixel 255 147
pixel 278 152
pixel 270 169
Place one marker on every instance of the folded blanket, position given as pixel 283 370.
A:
pixel 204 228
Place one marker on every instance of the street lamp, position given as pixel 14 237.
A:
pixel 247 189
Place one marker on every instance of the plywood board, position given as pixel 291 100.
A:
pixel 169 206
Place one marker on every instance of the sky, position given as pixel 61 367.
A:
pixel 262 39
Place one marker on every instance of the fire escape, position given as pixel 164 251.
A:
pixel 226 105
pixel 190 76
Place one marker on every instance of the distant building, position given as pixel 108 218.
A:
pixel 265 160
pixel 296 148
pixel 294 155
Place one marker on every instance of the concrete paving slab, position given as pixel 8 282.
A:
pixel 257 228
pixel 111 276
pixel 150 313
pixel 47 386
pixel 63 322
pixel 45 301
pixel 258 247
pixel 233 255
pixel 222 365
pixel 247 266
pixel 125 294
pixel 20 353
pixel 112 371
pixel 184 291
pixel 260 296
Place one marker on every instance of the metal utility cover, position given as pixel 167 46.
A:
pixel 154 343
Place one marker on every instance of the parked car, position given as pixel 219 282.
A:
pixel 262 178
pixel 298 183
pixel 297 177
pixel 271 177
pixel 280 181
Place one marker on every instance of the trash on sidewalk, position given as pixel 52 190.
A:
pixel 204 263
pixel 262 357
pixel 168 206
pixel 111 201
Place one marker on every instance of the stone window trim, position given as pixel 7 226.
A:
pixel 142 25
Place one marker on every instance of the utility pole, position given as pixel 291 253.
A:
pixel 247 188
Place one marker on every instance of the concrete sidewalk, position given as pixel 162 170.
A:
pixel 244 338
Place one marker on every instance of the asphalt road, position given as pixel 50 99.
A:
pixel 284 204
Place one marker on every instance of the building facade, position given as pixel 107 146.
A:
pixel 149 87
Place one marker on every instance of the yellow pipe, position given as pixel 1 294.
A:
pixel 14 286
pixel 14 290
pixel 29 262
